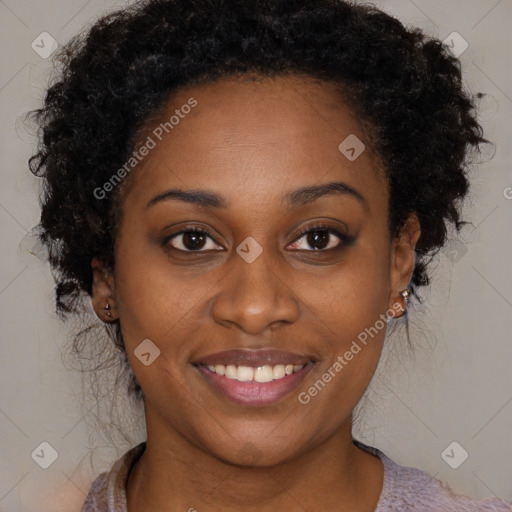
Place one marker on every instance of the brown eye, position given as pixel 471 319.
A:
pixel 192 240
pixel 319 238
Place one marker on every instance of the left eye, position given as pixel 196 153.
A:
pixel 319 236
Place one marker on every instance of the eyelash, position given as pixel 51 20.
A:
pixel 344 239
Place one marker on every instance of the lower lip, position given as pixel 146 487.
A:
pixel 252 392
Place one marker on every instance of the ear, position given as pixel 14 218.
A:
pixel 103 292
pixel 403 258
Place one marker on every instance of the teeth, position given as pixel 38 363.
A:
pixel 245 373
pixel 231 371
pixel 278 371
pixel 264 373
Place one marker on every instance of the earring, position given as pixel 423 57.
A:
pixel 405 296
pixel 108 307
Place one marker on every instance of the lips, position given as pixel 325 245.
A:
pixel 254 377
pixel 253 358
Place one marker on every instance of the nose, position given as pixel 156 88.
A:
pixel 254 297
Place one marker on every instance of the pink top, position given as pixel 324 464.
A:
pixel 404 489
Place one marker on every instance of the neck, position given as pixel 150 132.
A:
pixel 336 475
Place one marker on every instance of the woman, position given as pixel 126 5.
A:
pixel 250 192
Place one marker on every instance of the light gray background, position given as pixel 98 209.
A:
pixel 457 386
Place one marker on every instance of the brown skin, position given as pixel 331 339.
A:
pixel 252 142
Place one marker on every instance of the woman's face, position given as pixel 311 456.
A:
pixel 249 282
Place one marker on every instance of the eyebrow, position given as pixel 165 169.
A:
pixel 293 199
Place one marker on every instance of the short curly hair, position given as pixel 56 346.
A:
pixel 114 76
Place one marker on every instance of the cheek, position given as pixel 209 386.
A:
pixel 353 295
pixel 349 311
pixel 355 332
pixel 154 300
pixel 157 302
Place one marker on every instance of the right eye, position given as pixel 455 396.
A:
pixel 191 239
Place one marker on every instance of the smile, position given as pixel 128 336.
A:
pixel 254 378
pixel 264 373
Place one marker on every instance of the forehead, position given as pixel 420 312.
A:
pixel 255 138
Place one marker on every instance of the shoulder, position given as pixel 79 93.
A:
pixel 414 489
pixel 108 491
pixel 411 489
pixel 96 497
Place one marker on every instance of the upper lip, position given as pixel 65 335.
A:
pixel 255 358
